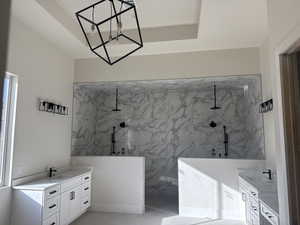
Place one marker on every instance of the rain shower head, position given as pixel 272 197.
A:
pixel 215 107
pixel 117 101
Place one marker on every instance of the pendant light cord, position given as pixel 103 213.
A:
pixel 110 23
pixel 93 18
pixel 93 14
pixel 119 25
pixel 119 21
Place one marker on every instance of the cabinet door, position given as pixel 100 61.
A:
pixel 245 198
pixel 70 206
pixel 65 209
pixel 75 203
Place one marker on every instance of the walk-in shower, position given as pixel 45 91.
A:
pixel 165 120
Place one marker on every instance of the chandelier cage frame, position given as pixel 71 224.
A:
pixel 115 16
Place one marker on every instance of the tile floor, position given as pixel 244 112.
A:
pixel 151 217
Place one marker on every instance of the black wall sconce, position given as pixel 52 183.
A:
pixel 266 106
pixel 45 106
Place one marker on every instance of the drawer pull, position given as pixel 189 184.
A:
pixel 270 217
pixel 72 195
pixel 52 192
pixel 253 193
pixel 86 178
pixel 52 206
pixel 244 197
pixel 86 189
pixel 86 202
pixel 53 223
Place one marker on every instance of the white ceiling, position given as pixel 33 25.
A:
pixel 153 13
pixel 223 24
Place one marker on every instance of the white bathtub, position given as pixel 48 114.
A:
pixel 118 183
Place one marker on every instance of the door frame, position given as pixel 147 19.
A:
pixel 4 24
pixel 287 45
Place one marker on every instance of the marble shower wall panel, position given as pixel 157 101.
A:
pixel 168 119
pixel 83 127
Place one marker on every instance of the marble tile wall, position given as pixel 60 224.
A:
pixel 167 119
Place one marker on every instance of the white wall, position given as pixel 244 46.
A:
pixel 5 199
pixel 41 139
pixel 208 188
pixel 284 30
pixel 118 183
pixel 268 117
pixel 171 66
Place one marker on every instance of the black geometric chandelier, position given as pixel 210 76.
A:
pixel 103 25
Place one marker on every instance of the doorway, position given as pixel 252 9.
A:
pixel 290 81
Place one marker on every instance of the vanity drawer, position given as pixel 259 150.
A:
pixel 252 191
pixel 85 203
pixel 51 207
pixel 52 220
pixel 86 177
pixel 69 184
pixel 52 192
pixel 254 220
pixel 269 214
pixel 86 189
pixel 254 204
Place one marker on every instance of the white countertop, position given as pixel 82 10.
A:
pixel 267 189
pixel 44 183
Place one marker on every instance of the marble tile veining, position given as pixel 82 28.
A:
pixel 167 119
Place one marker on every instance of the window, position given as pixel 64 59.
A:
pixel 7 127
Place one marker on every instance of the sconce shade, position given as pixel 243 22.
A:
pixel 111 29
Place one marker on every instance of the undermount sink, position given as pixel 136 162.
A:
pixel 64 176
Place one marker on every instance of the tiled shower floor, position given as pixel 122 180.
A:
pixel 163 202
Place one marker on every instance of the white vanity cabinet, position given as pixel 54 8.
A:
pixel 250 197
pixel 255 192
pixel 75 199
pixel 55 201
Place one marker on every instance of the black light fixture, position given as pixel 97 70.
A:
pixel 102 25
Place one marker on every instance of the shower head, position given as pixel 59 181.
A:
pixel 215 107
